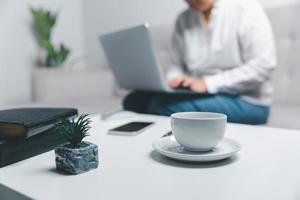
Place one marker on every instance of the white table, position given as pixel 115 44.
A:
pixel 268 167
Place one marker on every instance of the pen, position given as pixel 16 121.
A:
pixel 167 134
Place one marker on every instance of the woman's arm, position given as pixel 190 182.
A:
pixel 258 52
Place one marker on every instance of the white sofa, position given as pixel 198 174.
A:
pixel 95 91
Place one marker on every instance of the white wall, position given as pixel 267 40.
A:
pixel 16 53
pixel 18 47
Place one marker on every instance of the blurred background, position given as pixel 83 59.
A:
pixel 83 80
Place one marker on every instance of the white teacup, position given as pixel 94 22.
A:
pixel 198 131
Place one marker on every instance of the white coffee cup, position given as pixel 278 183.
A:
pixel 198 131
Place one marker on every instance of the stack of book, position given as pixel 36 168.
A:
pixel 26 132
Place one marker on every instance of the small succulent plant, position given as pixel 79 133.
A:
pixel 74 130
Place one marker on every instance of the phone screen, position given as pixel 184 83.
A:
pixel 131 127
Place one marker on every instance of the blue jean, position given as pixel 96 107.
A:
pixel 236 109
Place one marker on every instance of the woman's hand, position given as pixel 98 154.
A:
pixel 195 85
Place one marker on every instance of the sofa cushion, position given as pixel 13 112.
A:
pixel 71 85
pixel 161 40
pixel 287 75
pixel 285 116
pixel 285 23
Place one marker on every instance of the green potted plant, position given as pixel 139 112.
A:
pixel 43 22
pixel 76 156
pixel 54 65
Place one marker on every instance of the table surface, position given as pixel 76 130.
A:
pixel 267 167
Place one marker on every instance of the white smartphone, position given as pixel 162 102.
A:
pixel 130 129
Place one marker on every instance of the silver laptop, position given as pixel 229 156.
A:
pixel 130 55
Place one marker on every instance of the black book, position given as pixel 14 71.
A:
pixel 12 151
pixel 26 122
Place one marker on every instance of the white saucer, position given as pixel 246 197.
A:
pixel 169 147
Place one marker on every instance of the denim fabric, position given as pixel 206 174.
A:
pixel 237 110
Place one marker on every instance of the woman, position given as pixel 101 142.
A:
pixel 223 50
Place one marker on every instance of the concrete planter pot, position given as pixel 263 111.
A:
pixel 76 159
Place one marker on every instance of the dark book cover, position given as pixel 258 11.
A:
pixel 26 122
pixel 17 150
